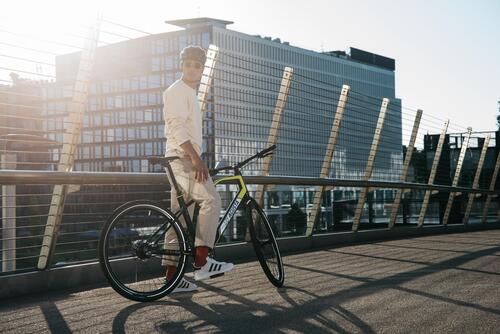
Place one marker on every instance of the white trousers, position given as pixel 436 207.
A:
pixel 207 198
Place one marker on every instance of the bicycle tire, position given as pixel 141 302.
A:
pixel 118 283
pixel 260 228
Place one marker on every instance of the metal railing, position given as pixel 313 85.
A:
pixel 289 206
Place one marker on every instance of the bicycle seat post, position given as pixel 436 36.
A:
pixel 172 177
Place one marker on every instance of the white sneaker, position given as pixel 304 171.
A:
pixel 185 286
pixel 212 268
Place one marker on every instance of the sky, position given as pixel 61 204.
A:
pixel 447 52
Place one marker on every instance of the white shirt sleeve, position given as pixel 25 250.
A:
pixel 175 113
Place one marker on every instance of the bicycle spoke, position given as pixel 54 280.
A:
pixel 138 244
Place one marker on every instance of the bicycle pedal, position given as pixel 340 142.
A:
pixel 217 275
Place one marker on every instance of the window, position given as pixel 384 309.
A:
pixel 182 42
pixel 109 135
pixel 143 99
pixel 136 165
pixel 149 149
pixel 106 119
pixel 205 39
pixel 119 133
pixel 144 166
pixel 132 150
pixel 130 133
pixel 168 79
pixel 143 82
pixel 98 151
pixel 155 64
pixel 148 117
pixel 123 150
pixel 122 117
pixel 85 152
pixel 118 103
pixel 154 81
pixel 134 83
pixel 106 151
pixel 168 63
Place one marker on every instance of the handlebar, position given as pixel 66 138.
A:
pixel 264 153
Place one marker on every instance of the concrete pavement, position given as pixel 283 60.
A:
pixel 441 284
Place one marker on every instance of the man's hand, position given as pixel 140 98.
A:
pixel 200 170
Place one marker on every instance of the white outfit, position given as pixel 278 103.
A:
pixel 183 122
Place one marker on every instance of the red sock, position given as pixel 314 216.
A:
pixel 201 253
pixel 170 271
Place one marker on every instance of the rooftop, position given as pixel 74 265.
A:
pixel 199 22
pixel 354 54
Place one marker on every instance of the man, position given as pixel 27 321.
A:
pixel 183 129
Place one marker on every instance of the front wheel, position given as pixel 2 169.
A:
pixel 264 243
pixel 137 242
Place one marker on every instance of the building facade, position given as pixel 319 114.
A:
pixel 124 123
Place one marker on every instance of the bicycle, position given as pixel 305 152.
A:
pixel 140 233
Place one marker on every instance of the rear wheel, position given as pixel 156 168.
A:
pixel 264 243
pixel 136 243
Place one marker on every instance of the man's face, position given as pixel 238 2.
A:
pixel 192 70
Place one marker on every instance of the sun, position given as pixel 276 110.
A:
pixel 31 39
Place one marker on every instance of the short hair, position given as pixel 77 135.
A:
pixel 193 52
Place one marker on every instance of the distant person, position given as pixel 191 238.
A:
pixel 297 219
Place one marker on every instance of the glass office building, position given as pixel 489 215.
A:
pixel 124 120
pixel 123 123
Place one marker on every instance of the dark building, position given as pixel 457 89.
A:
pixel 448 164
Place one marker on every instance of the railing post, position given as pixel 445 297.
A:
pixel 272 139
pixel 456 177
pixel 9 217
pixel 475 184
pixel 207 77
pixel 330 148
pixel 435 163
pixel 370 164
pixel 66 162
pixel 492 187
pixel 406 165
pixel 204 88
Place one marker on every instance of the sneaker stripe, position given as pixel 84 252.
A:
pixel 211 267
pixel 218 267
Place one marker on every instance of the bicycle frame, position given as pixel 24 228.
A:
pixel 242 195
pixel 230 211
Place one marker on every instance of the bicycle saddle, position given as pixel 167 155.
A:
pixel 161 160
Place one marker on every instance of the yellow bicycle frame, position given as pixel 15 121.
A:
pixel 235 202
